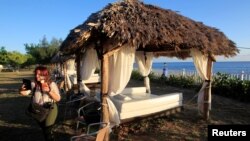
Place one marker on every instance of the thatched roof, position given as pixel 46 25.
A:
pixel 60 58
pixel 148 28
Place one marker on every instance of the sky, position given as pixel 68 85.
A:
pixel 28 21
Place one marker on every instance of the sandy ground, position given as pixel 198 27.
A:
pixel 184 125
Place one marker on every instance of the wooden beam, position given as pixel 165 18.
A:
pixel 78 68
pixel 104 91
pixel 171 51
pixel 112 51
pixel 65 79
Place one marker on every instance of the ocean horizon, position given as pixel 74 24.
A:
pixel 229 67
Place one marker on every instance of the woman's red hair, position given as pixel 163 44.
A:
pixel 43 72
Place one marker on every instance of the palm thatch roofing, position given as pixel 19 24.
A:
pixel 60 58
pixel 148 28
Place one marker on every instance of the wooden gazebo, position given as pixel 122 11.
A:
pixel 147 28
pixel 62 63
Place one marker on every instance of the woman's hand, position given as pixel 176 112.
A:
pixel 23 87
pixel 45 87
pixel 24 91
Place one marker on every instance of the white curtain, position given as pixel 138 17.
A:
pixel 144 61
pixel 200 62
pixel 70 65
pixel 71 73
pixel 120 69
pixel 88 64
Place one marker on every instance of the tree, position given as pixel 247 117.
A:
pixel 31 49
pixel 3 56
pixel 44 51
pixel 16 59
pixel 30 61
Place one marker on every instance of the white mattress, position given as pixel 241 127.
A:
pixel 95 78
pixel 140 103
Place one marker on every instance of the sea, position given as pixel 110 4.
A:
pixel 222 67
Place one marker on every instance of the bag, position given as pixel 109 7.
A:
pixel 38 112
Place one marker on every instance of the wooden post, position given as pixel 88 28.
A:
pixel 207 89
pixel 65 79
pixel 78 68
pixel 104 91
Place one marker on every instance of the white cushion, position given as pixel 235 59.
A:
pixel 133 90
pixel 140 104
pixel 93 79
pixel 122 97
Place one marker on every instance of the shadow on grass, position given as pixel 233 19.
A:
pixel 27 134
pixel 17 126
pixel 20 134
pixel 7 88
pixel 12 81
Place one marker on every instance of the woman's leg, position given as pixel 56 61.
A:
pixel 49 123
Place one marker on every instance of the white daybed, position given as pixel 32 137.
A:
pixel 92 83
pixel 135 102
pixel 95 78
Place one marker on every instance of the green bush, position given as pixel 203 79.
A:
pixel 181 81
pixel 136 75
pixel 172 80
pixel 246 95
pixel 222 84
pixel 235 88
